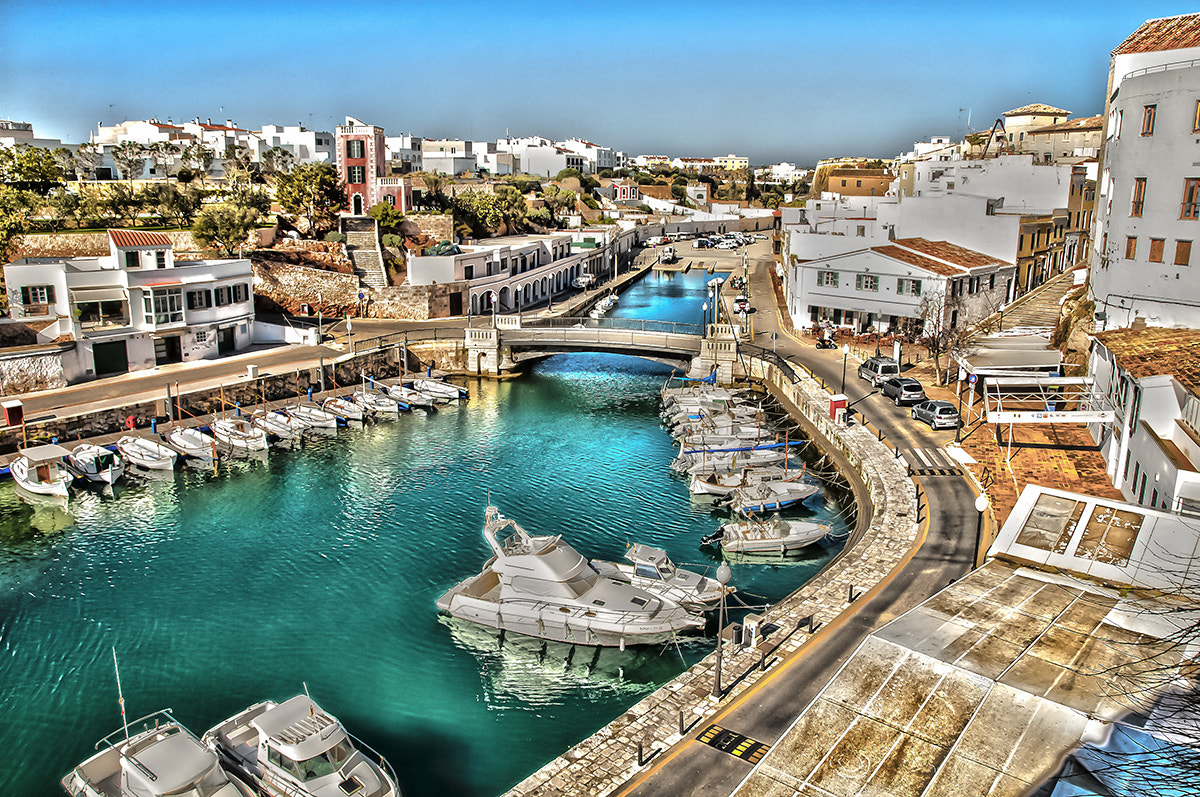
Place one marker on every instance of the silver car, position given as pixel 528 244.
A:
pixel 938 414
pixel 903 390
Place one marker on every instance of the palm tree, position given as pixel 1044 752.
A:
pixel 130 157
pixel 163 153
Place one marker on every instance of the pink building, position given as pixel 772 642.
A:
pixel 361 159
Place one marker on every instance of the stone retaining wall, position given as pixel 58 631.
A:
pixel 290 286
pixel 602 763
pixel 32 369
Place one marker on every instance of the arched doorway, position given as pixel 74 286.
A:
pixel 358 208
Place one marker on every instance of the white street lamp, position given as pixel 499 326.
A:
pixel 723 576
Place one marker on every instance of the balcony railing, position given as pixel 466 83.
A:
pixel 31 310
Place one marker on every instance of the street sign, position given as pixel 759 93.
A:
pixel 973 378
pixel 361 296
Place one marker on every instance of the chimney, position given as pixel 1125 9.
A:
pixel 210 120
pixel 229 123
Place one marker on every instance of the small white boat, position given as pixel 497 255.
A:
pixel 729 461
pixel 295 749
pixel 191 442
pixel 312 415
pixel 378 403
pixel 239 434
pixel 41 470
pixel 440 389
pixel 155 756
pixel 540 586
pixel 720 484
pixel 770 496
pixel 344 407
pixel 94 463
pixel 652 570
pixel 772 536
pixel 409 396
pixel 146 453
pixel 278 424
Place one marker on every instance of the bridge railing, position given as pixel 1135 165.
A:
pixel 409 336
pixel 631 324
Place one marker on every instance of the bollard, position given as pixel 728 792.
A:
pixel 641 761
pixel 237 409
pixel 310 394
pixel 154 426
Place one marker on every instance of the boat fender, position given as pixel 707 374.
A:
pixel 130 423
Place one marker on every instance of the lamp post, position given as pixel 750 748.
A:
pixel 958 426
pixel 704 319
pixel 723 575
pixel 981 506
pixel 845 354
pixel 350 335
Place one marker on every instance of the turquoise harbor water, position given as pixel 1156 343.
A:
pixel 320 566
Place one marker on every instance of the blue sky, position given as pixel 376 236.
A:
pixel 791 81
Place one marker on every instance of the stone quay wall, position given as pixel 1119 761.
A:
pixel 600 764
pixel 27 369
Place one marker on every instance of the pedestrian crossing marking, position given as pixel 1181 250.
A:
pixel 931 462
pixel 735 744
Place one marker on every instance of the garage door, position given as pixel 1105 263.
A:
pixel 110 358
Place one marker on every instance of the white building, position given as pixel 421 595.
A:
pixel 136 307
pixel 448 156
pixel 405 152
pixel 883 287
pixel 541 156
pixel 1153 448
pixel 306 146
pixel 595 157
pixel 1148 208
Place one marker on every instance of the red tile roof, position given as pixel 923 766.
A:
pixel 135 239
pixel 1082 123
pixel 914 259
pixel 1155 351
pixel 1166 33
pixel 944 250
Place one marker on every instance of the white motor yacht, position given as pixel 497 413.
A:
pixel 239 434
pixel 41 470
pixel 146 453
pixel 652 570
pixel 160 758
pixel 773 536
pixel 95 464
pixel 540 586
pixel 295 749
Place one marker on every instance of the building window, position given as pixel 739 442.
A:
pixel 867 282
pixel 202 336
pixel 241 292
pixel 160 259
pixel 1156 250
pixel 132 260
pixel 1183 253
pixel 223 296
pixel 356 175
pixel 1139 196
pixel 391 200
pixel 163 306
pixel 34 295
pixel 827 279
pixel 1148 113
pixel 1191 198
pixel 910 287
pixel 992 281
pixel 355 149
pixel 1130 247
pixel 199 300
pixel 862 230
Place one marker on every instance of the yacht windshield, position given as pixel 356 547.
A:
pixel 318 766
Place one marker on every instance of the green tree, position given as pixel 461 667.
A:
pixel 16 208
pixel 65 206
pixel 435 191
pixel 480 212
pixel 175 205
pixel 235 162
pixel 558 201
pixel 199 159
pixel 29 167
pixel 87 159
pixel 224 226
pixel 540 217
pixel 679 191
pixel 65 160
pixel 124 203
pixel 276 161
pixel 752 192
pixel 164 153
pixel 130 157
pixel 388 217
pixel 312 192
pixel 513 209
pixel 568 172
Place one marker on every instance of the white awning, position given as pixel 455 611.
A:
pixel 106 294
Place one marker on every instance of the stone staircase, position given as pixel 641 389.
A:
pixel 362 247
pixel 1038 310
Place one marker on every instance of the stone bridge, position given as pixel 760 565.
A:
pixel 507 342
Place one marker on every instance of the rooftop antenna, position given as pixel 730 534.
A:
pixel 120 695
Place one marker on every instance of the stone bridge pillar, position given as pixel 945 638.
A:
pixel 483 351
pixel 718 351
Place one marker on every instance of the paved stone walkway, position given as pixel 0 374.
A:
pixel 602 763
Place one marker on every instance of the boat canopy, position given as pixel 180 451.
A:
pixel 49 452
pixel 166 766
pixel 299 729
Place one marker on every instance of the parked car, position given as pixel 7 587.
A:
pixel 938 414
pixel 727 245
pixel 701 243
pixel 903 390
pixel 878 370
pixel 758 236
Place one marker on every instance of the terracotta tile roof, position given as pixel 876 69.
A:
pixel 852 172
pixel 1082 123
pixel 1155 351
pixel 1166 33
pixel 1036 108
pixel 944 250
pixel 914 259
pixel 132 239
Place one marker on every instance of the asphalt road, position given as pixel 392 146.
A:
pixel 943 553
